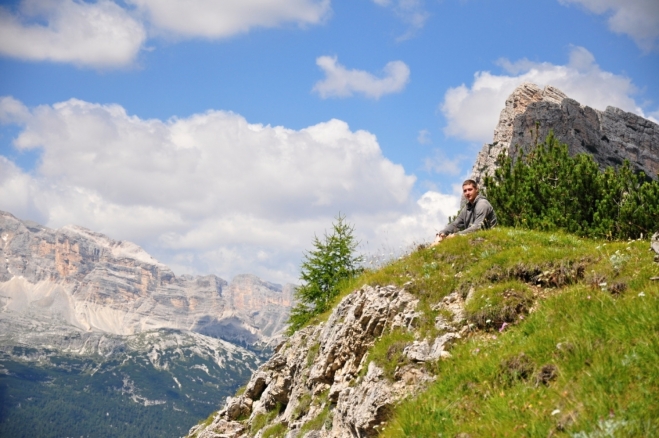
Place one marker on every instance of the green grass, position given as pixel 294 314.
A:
pixel 579 351
pixel 312 353
pixel 605 351
pixel 320 421
pixel 388 352
pixel 505 268
pixel 500 303
pixel 564 337
pixel 275 431
pixel 303 406
pixel 241 390
pixel 262 420
pixel 205 423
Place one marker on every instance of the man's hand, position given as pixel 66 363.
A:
pixel 438 239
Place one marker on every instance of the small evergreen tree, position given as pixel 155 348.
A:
pixel 325 269
pixel 548 189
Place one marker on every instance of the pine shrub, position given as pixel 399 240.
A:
pixel 325 269
pixel 547 189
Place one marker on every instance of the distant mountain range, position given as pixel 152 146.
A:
pixel 83 315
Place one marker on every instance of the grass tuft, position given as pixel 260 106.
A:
pixel 321 421
pixel 387 352
pixel 275 431
pixel 302 407
pixel 262 420
pixel 492 306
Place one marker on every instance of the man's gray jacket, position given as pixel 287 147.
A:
pixel 475 216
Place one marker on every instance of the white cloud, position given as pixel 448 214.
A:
pixel 395 235
pixel 19 192
pixel 424 137
pixel 210 192
pixel 97 34
pixel 221 19
pixel 654 116
pixel 410 12
pixel 12 110
pixel 341 82
pixel 102 34
pixel 637 18
pixel 473 112
pixel 440 163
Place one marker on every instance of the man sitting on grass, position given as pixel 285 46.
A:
pixel 478 214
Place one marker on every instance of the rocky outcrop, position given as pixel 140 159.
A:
pixel 516 104
pixel 321 382
pixel 610 136
pixel 93 283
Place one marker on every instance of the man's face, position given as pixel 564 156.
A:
pixel 470 192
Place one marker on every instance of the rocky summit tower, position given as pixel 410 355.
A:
pixel 610 136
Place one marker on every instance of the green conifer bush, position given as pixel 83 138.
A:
pixel 547 189
pixel 325 269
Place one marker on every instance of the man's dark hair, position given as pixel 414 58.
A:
pixel 470 182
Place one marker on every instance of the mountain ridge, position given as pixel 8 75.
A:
pixel 88 319
pixel 96 283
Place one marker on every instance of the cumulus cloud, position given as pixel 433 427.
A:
pixel 410 12
pixel 472 112
pixel 210 192
pixel 221 19
pixel 424 137
pixel 637 18
pixel 12 111
pixel 341 82
pixel 102 34
pixel 440 163
pixel 99 34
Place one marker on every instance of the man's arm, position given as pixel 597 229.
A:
pixel 457 224
pixel 482 211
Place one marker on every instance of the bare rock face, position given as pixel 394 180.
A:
pixel 89 281
pixel 320 383
pixel 610 136
pixel 262 303
pixel 516 104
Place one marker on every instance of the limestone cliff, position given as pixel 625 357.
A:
pixel 89 281
pixel 320 383
pixel 611 136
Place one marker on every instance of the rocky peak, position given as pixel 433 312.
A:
pixel 93 282
pixel 517 103
pixel 610 136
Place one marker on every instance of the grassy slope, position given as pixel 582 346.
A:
pixel 597 344
pixel 578 353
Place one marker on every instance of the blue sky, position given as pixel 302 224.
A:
pixel 221 135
